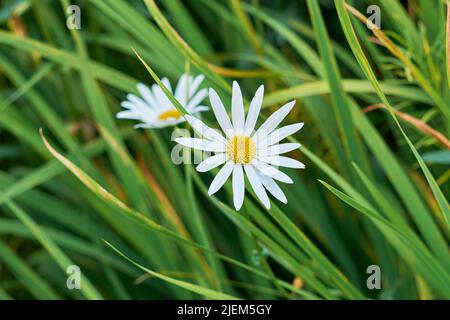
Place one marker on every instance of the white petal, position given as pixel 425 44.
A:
pixel 146 94
pixel 128 105
pixel 221 177
pixel 272 172
pixel 128 114
pixel 278 149
pixel 198 109
pixel 253 111
pixel 212 162
pixel 166 84
pixel 163 102
pixel 257 186
pixel 279 134
pixel 181 93
pixel 237 107
pixel 195 83
pixel 220 113
pixel 273 188
pixel 201 144
pixel 203 130
pixel 195 101
pixel 282 161
pixel 138 102
pixel 238 186
pixel 275 118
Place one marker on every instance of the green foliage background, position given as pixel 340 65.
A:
pixel 107 198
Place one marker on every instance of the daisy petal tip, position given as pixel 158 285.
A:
pixel 211 191
pixel 212 92
pixel 237 206
pixel 199 168
pixel 140 85
pixel 288 181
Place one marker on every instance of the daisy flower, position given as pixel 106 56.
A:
pixel 155 110
pixel 244 150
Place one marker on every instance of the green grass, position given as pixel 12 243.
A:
pixel 91 191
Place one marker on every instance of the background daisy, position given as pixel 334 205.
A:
pixel 155 110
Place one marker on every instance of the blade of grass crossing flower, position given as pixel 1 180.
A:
pixel 169 95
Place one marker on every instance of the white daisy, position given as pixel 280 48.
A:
pixel 244 149
pixel 155 109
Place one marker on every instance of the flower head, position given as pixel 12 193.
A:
pixel 155 110
pixel 245 150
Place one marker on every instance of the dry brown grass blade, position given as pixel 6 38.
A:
pixel 419 124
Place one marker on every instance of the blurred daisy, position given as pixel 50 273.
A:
pixel 244 149
pixel 155 110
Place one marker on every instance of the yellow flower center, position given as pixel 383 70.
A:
pixel 175 114
pixel 241 149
